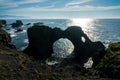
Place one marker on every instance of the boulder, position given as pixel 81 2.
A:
pixel 17 24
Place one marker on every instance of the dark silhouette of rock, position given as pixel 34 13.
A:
pixel 2 23
pixel 19 30
pixel 5 39
pixel 28 24
pixel 41 39
pixel 38 24
pixel 17 24
pixel 84 47
pixel 98 52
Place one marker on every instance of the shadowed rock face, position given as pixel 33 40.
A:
pixel 75 34
pixel 5 39
pixel 84 47
pixel 41 39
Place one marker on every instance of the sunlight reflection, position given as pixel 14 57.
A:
pixel 87 25
pixel 83 23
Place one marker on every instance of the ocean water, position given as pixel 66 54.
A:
pixel 105 30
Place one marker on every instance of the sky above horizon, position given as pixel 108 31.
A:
pixel 60 8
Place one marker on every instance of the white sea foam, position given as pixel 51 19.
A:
pixel 62 48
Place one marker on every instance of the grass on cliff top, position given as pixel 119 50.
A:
pixel 114 48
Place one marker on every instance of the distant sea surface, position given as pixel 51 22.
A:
pixel 105 30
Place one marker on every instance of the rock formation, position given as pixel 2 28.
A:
pixel 41 39
pixel 84 47
pixel 5 39
pixel 17 24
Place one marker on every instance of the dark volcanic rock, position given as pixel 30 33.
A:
pixel 84 47
pixel 41 39
pixel 17 24
pixel 75 34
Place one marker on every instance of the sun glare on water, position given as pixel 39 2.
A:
pixel 83 23
pixel 87 25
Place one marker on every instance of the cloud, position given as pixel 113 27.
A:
pixel 70 8
pixel 7 4
pixel 29 1
pixel 77 2
pixel 13 3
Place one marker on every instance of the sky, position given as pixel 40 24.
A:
pixel 59 9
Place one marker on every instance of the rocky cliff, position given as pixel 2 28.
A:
pixel 5 39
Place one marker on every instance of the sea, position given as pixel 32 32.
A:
pixel 105 30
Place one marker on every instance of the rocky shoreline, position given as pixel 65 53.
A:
pixel 18 65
